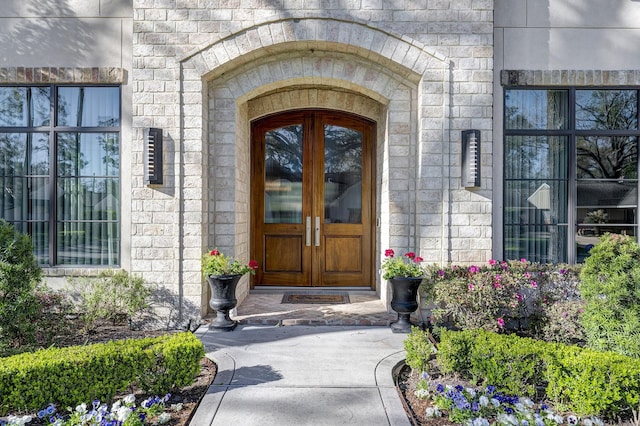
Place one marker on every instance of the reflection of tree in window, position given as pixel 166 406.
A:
pixel 606 157
pixel 284 152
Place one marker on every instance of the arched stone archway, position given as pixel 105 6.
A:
pixel 307 63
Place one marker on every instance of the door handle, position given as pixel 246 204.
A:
pixel 308 231
pixel 317 236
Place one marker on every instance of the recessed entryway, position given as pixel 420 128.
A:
pixel 312 198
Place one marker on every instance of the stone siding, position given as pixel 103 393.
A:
pixel 203 69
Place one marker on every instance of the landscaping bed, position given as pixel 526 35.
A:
pixel 186 397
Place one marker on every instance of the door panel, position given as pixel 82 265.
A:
pixel 312 199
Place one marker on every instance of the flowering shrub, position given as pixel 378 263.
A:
pixel 123 412
pixel 509 294
pixel 406 266
pixel 560 322
pixel 482 407
pixel 215 262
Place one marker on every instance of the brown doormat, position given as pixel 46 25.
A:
pixel 317 298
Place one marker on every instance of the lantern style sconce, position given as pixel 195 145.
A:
pixel 153 156
pixel 470 158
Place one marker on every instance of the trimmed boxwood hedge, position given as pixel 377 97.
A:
pixel 68 376
pixel 584 381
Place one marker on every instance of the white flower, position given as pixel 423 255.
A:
pixel 123 414
pixel 129 399
pixel 558 419
pixel 587 422
pixel 19 421
pixel 528 403
pixel 572 420
pixel 432 412
pixel 116 405
pixel 422 393
pixel 483 401
pixel 82 408
pixel 507 419
pixel 495 402
pixel 597 421
pixel 519 407
pixel 480 421
pixel 164 418
pixel 471 392
pixel 176 407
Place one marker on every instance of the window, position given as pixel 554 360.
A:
pixel 60 171
pixel 571 170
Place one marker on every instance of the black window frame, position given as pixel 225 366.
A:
pixel 572 134
pixel 53 131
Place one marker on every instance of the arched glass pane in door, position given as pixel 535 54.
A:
pixel 283 175
pixel 342 175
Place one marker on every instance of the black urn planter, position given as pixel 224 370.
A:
pixel 223 299
pixel 404 301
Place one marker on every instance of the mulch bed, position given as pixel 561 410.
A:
pixel 189 396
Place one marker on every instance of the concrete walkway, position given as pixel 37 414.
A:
pixel 302 375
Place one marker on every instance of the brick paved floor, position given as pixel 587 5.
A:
pixel 265 308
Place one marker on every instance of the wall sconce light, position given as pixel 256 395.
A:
pixel 153 156
pixel 470 158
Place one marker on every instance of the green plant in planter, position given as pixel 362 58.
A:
pixel 407 266
pixel 610 286
pixel 216 263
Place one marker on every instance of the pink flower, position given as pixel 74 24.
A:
pixel 471 287
pixel 500 322
pixel 496 285
pixel 519 297
pixel 534 284
pixel 418 259
pixel 498 277
pixel 473 269
pixel 441 273
pixel 410 254
pixel 504 265
pixel 523 260
pixel 214 252
pixel 389 253
pixel 253 264
pixel 493 262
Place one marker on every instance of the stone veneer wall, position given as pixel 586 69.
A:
pixel 202 69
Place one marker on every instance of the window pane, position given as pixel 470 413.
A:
pixel 88 243
pixel 24 154
pixel 606 109
pixel 88 154
pixel 603 203
pixel 536 157
pixel 535 202
pixel 88 213
pixel 614 157
pixel 342 175
pixel 89 106
pixel 536 109
pixel 541 243
pixel 88 199
pixel 24 106
pixel 283 175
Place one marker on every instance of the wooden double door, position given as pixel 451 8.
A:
pixel 312 199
